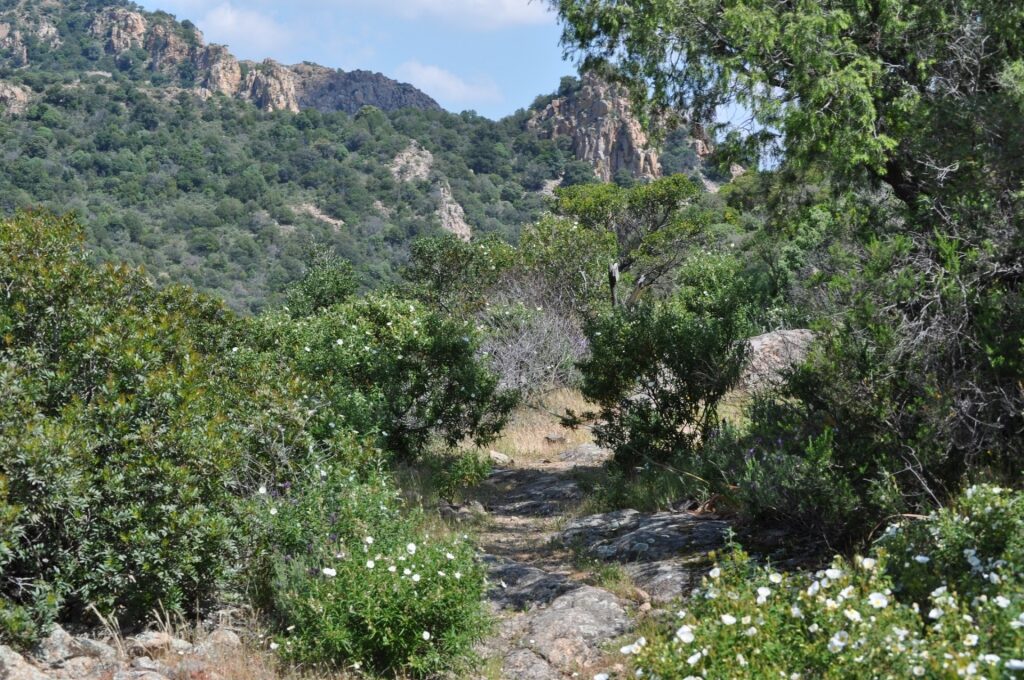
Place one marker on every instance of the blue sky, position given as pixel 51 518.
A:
pixel 491 56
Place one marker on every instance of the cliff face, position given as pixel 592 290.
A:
pixel 171 45
pixel 598 120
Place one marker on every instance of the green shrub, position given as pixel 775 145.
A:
pixel 659 371
pixel 116 457
pixel 351 576
pixel 390 366
pixel 872 617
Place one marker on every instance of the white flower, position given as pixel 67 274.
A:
pixel 935 613
pixel 796 612
pixel 853 615
pixel 331 573
pixel 415 578
pixel 814 589
pixel 392 569
pixel 728 619
pixel 339 342
pixel 273 646
pixel 992 659
pixel 411 548
pixel 715 573
pixel 601 676
pixel 878 600
pixel 369 540
pixel 426 635
pixel 635 647
pixel 370 564
pixel 449 556
pixel 838 641
pixel 685 634
pixel 869 563
pixel 694 658
pixel 741 660
pixel 262 490
pixel 833 573
pixel 1015 665
pixel 763 593
pixel 918 671
pixel 751 632
pixel 1002 602
pixel 457 575
pixel 971 640
pixel 814 628
pixel 775 578
pixel 273 511
pixel 407 571
pixel 922 559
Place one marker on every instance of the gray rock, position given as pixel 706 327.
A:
pixel 586 454
pixel 154 643
pixel 13 666
pixel 525 664
pixel 569 633
pixel 95 649
pixel 499 458
pixel 218 643
pixel 58 647
pixel 772 354
pixel 532 492
pixel 139 675
pixel 521 587
pixel 555 438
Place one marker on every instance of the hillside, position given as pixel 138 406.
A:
pixel 222 173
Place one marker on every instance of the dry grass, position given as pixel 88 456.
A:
pixel 524 438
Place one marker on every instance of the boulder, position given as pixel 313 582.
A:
pixel 13 666
pixel 586 454
pixel 772 354
pixel 499 458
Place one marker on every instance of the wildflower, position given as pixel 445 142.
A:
pixel 762 594
pixel 935 613
pixel 411 548
pixel 741 660
pixel 833 573
pixel 918 671
pixel 922 559
pixel 775 578
pixel 992 659
pixel 869 563
pixel 1002 602
pixel 971 640
pixel 449 556
pixel 370 564
pixel 273 646
pixel 273 511
pixel 392 569
pixel 751 632
pixel 694 658
pixel 814 628
pixel 685 634
pixel 407 571
pixel 796 612
pixel 426 636
pixel 369 540
pixel 457 575
pixel 601 676
pixel 330 573
pixel 415 578
pixel 814 589
pixel 838 641
pixel 728 619
pixel 878 600
pixel 263 491
pixel 853 615
pixel 715 573
pixel 635 647
pixel 1015 665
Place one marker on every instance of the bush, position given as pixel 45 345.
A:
pixel 852 620
pixel 389 366
pixel 658 371
pixel 351 576
pixel 116 461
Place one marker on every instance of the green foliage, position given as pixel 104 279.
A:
pixel 659 371
pixel 351 577
pixel 936 616
pixel 391 367
pixel 453 275
pixel 112 443
pixel 329 280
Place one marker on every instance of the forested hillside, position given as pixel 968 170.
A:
pixel 108 111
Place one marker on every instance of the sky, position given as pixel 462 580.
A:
pixel 489 56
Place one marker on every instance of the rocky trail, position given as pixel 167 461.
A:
pixel 555 620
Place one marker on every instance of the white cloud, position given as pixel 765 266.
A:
pixel 448 87
pixel 247 32
pixel 480 14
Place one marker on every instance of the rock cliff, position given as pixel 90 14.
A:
pixel 14 99
pixel 170 45
pixel 598 120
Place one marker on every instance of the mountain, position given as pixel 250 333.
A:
pixel 225 174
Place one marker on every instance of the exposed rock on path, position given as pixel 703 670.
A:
pixel 552 622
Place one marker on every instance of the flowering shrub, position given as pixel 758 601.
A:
pixel 352 578
pixel 850 620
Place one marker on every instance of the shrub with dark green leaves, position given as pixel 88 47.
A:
pixel 659 370
pixel 351 576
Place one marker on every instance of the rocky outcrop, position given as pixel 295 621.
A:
pixel 166 47
pixel 14 99
pixel 412 164
pixel 326 89
pixel 599 121
pixel 121 29
pixel 221 71
pixel 772 355
pixel 13 43
pixel 271 87
pixel 451 214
